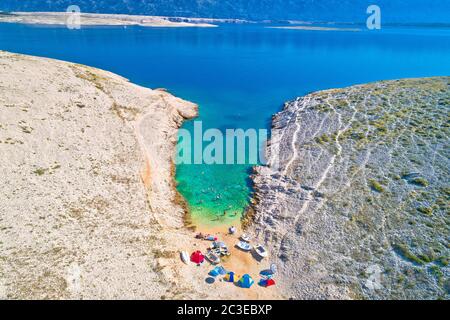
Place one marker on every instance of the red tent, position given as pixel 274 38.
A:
pixel 197 257
pixel 268 283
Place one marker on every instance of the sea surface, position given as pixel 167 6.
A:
pixel 240 75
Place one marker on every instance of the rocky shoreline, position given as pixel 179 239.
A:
pixel 89 203
pixel 354 201
pixel 87 186
pixel 353 204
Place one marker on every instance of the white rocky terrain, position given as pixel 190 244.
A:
pixel 88 207
pixel 355 200
pixel 354 203
pixel 74 141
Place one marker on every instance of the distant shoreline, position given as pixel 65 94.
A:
pixel 103 19
pixel 94 19
pixel 312 28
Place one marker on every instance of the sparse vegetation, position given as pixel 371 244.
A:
pixel 26 129
pixel 376 186
pixel 425 210
pixel 40 171
pixel 443 261
pixel 323 139
pixel 407 254
pixel 158 253
pixel 422 182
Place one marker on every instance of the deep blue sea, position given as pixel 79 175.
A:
pixel 239 75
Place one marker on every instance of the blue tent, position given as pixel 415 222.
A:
pixel 230 277
pixel 217 271
pixel 246 281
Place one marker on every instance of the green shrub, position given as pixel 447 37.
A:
pixel 420 182
pixel 40 171
pixel 404 251
pixel 376 186
pixel 443 261
pixel 425 210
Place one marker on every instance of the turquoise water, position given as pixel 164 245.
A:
pixel 239 76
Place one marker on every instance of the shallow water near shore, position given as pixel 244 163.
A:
pixel 239 75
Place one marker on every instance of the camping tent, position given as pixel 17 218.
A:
pixel 267 282
pixel 197 257
pixel 246 281
pixel 229 277
pixel 217 271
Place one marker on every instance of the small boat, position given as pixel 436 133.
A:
pixel 261 251
pixel 212 257
pixel 273 268
pixel 244 246
pixel 224 252
pixel 218 244
pixel 245 237
pixel 184 257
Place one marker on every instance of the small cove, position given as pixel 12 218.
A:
pixel 239 75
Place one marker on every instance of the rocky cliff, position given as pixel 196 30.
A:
pixel 355 201
pixel 86 196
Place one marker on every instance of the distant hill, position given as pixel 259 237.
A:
pixel 394 11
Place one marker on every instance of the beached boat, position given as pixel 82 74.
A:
pixel 218 244
pixel 246 237
pixel 224 252
pixel 220 250
pixel 261 251
pixel 212 257
pixel 244 246
pixel 184 257
pixel 273 268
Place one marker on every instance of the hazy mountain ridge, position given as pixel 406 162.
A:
pixel 393 11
